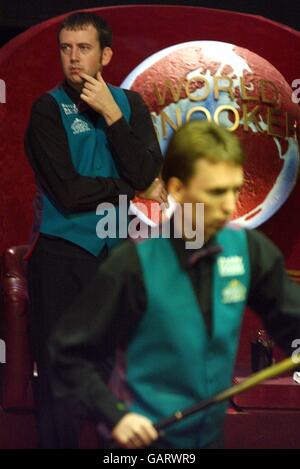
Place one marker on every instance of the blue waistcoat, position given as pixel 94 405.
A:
pixel 172 362
pixel 91 156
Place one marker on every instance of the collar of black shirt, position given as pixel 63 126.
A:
pixel 75 96
pixel 189 258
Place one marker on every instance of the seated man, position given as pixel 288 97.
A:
pixel 174 313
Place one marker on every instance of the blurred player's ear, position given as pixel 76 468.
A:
pixel 176 188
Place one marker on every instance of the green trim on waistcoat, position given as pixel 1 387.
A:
pixel 91 156
pixel 172 362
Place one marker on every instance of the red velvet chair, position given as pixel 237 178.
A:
pixel 18 370
pixel 17 421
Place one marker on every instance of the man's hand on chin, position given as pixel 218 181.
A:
pixel 97 95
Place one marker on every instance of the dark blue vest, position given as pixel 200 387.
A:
pixel 172 362
pixel 91 156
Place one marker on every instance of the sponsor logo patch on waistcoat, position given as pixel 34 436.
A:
pixel 70 109
pixel 79 126
pixel 234 292
pixel 229 266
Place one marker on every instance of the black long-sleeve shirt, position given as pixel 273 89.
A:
pixel 134 147
pixel 107 314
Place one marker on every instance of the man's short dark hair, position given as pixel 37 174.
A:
pixel 196 140
pixel 81 20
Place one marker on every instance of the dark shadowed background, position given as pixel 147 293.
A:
pixel 17 15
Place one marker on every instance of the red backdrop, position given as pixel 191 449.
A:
pixel 29 65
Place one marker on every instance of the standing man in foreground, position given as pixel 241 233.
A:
pixel 88 142
pixel 174 314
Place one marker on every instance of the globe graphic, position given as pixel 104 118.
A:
pixel 239 90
